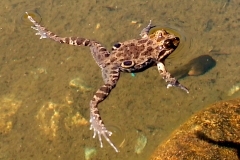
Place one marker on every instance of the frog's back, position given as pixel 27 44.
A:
pixel 137 51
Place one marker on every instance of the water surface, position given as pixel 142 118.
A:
pixel 39 108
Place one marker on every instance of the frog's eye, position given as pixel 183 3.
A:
pixel 115 46
pixel 127 64
pixel 167 43
pixel 171 43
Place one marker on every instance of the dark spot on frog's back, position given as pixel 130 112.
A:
pixel 141 48
pixel 142 41
pixel 149 48
pixel 115 46
pixel 136 54
pixel 103 49
pixel 146 53
pixel 150 42
pixel 127 63
pixel 113 59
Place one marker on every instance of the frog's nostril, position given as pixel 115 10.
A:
pixel 176 41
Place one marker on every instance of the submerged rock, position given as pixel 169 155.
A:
pixel 79 84
pixel 53 117
pixel 9 106
pixel 213 133
pixel 141 142
pixel 235 88
pixel 90 153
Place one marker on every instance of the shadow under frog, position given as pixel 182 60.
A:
pixel 195 67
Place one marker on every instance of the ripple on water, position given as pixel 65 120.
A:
pixel 118 136
pixel 33 13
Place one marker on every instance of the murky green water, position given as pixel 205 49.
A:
pixel 39 109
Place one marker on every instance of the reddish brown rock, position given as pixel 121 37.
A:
pixel 213 133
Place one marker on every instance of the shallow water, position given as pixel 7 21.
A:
pixel 39 109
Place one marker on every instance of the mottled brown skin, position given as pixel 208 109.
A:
pixel 129 56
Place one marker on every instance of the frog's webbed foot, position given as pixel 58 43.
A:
pixel 168 78
pixel 42 32
pixel 145 31
pixel 177 84
pixel 99 129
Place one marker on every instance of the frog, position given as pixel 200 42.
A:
pixel 135 55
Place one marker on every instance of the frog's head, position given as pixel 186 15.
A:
pixel 167 42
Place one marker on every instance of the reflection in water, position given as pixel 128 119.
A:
pixel 24 20
pixel 195 67
pixel 118 136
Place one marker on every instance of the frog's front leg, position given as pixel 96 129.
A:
pixel 145 31
pixel 168 78
pixel 110 77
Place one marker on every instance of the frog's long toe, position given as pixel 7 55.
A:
pixel 178 85
pixel 100 130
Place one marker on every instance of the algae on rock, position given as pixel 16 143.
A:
pixel 213 133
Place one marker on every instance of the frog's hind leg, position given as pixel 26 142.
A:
pixel 98 51
pixel 169 78
pixel 110 76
